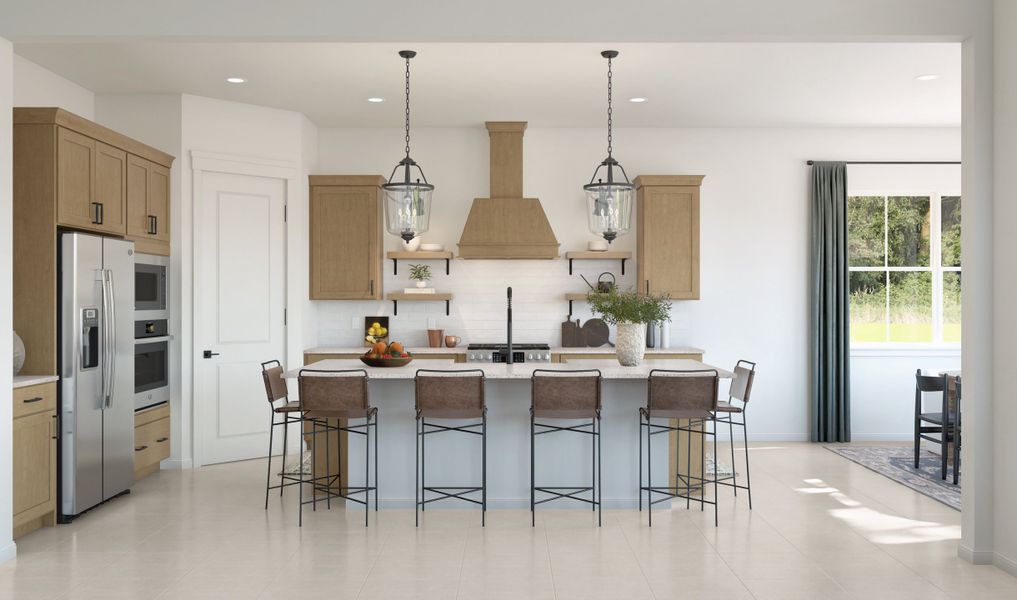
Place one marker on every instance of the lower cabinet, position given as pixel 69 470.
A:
pixel 151 439
pixel 34 458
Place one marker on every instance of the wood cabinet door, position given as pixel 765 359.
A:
pixel 34 466
pixel 111 187
pixel 75 180
pixel 345 236
pixel 668 244
pixel 159 201
pixel 138 175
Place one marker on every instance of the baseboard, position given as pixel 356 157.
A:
pixel 176 464
pixel 1007 564
pixel 976 557
pixel 8 552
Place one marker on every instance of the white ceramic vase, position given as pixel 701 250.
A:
pixel 412 245
pixel 422 284
pixel 630 343
pixel 19 353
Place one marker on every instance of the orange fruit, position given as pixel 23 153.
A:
pixel 396 348
pixel 379 348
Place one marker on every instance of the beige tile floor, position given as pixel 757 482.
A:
pixel 823 527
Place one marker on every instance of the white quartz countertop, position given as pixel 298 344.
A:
pixel 608 370
pixel 21 381
pixel 462 350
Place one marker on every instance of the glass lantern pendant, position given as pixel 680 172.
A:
pixel 407 202
pixel 609 203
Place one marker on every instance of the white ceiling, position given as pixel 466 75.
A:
pixel 550 85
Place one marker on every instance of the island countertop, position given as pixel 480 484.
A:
pixel 606 350
pixel 608 370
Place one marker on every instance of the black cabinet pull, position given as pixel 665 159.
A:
pixel 31 400
pixel 372 287
pixel 161 440
pixel 141 448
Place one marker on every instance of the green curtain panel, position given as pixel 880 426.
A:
pixel 829 359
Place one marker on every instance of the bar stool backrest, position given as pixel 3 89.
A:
pixel 325 391
pixel 928 383
pixel 275 385
pixel 449 390
pixel 683 394
pixel 741 385
pixel 566 390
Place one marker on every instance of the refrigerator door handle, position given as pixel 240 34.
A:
pixel 104 333
pixel 107 342
pixel 113 339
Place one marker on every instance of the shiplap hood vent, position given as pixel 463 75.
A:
pixel 506 225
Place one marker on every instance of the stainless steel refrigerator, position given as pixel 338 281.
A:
pixel 96 370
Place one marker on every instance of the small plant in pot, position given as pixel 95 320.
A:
pixel 421 274
pixel 630 312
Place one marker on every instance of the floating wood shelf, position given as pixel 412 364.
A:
pixel 396 256
pixel 622 255
pixel 395 297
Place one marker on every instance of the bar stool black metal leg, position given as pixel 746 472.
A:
pixel 300 503
pixel 748 473
pixel 268 478
pixel 649 473
pixel 640 463
pixel 593 464
pixel 702 466
pixel 375 462
pixel 286 446
pixel 688 463
pixel 716 494
pixel 483 481
pixel 600 480
pixel 416 476
pixel 314 476
pixel 328 466
pixel 734 471
pixel 423 465
pixel 367 468
pixel 533 483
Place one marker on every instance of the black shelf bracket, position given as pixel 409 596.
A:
pixel 571 259
pixel 395 267
pixel 570 308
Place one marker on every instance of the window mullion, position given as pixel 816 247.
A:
pixel 886 265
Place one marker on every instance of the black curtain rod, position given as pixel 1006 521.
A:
pixel 895 162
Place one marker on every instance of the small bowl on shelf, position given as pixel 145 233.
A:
pixel 386 362
pixel 597 246
pixel 432 247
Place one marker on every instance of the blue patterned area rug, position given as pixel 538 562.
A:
pixel 896 462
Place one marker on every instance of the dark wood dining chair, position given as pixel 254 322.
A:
pixel 932 427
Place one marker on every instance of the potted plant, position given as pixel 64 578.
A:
pixel 421 274
pixel 630 312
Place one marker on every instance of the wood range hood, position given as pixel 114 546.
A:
pixel 506 225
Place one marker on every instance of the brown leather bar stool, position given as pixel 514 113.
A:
pixel 741 389
pixel 565 396
pixel 341 395
pixel 684 395
pixel 449 396
pixel 275 389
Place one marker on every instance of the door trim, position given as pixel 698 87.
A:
pixel 213 162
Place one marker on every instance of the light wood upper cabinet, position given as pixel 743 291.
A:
pixel 148 204
pixel 34 457
pixel 75 174
pixel 668 234
pixel 346 237
pixel 91 183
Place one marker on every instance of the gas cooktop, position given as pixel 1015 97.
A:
pixel 498 353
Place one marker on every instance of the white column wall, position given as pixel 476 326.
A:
pixel 7 547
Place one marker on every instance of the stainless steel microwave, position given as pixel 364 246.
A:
pixel 151 290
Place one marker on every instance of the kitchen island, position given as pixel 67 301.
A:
pixel 455 460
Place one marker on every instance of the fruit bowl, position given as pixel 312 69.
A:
pixel 386 362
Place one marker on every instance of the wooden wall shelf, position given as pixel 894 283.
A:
pixel 621 255
pixel 395 297
pixel 575 297
pixel 396 256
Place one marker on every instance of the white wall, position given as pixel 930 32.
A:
pixel 37 86
pixel 1005 194
pixel 155 119
pixel 7 547
pixel 754 236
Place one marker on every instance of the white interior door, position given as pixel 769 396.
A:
pixel 239 295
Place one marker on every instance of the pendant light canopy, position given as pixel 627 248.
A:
pixel 609 203
pixel 407 202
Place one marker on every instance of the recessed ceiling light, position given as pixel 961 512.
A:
pixel 637 99
pixel 375 99
pixel 235 80
pixel 927 77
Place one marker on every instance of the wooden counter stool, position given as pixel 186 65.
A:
pixel 275 389
pixel 568 396
pixel 449 396
pixel 684 395
pixel 741 389
pixel 340 395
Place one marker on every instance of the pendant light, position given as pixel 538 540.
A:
pixel 407 202
pixel 609 203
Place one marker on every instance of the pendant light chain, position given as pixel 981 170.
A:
pixel 407 108
pixel 610 119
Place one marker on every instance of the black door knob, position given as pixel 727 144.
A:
pixel 210 354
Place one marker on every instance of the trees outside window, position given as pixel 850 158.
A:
pixel 905 268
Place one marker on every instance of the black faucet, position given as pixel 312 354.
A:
pixel 508 359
